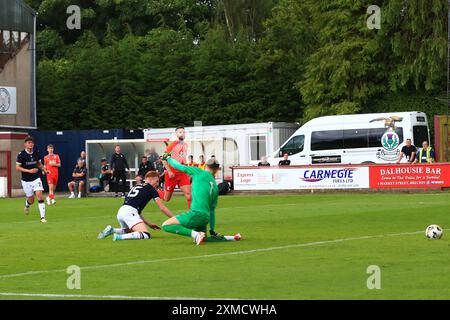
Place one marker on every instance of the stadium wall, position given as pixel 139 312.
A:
pixel 13 143
pixel 17 74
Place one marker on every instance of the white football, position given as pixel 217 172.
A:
pixel 434 232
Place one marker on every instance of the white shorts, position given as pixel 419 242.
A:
pixel 128 217
pixel 30 187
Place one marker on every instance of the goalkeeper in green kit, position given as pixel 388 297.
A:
pixel 204 202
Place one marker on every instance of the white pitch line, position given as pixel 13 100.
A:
pixel 92 296
pixel 113 214
pixel 215 255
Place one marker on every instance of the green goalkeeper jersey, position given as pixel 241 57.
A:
pixel 204 190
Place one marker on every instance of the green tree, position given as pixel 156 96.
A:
pixel 343 73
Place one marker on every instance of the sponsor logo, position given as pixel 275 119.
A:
pixel 390 140
pixel 244 177
pixel 339 175
pixel 5 100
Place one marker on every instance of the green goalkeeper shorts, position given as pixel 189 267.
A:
pixel 193 220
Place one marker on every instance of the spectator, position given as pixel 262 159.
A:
pixel 83 157
pixel 144 167
pixel 159 166
pixel 264 162
pixel 105 175
pixel 119 165
pixel 425 154
pixel 285 161
pixel 190 161
pixel 152 156
pixel 79 179
pixel 201 162
pixel 409 151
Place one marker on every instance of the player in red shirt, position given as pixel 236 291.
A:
pixel 52 164
pixel 174 177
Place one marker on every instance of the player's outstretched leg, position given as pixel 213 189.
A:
pixel 109 230
pixel 138 232
pixel 236 237
pixel 105 232
pixel 177 225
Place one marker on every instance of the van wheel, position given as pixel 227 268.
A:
pixel 368 162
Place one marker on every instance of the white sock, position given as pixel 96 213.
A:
pixel 41 206
pixel 119 230
pixel 135 236
pixel 229 238
pixel 194 234
pixel 72 194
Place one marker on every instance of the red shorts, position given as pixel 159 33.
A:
pixel 180 179
pixel 52 179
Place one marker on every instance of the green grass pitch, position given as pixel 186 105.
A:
pixel 312 246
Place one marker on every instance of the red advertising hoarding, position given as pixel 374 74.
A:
pixel 410 176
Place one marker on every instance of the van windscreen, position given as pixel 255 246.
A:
pixel 293 146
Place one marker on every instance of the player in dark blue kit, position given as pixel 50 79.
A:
pixel 133 224
pixel 29 164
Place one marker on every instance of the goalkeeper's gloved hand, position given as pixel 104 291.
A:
pixel 166 155
pixel 216 234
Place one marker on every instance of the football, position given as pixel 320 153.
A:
pixel 434 232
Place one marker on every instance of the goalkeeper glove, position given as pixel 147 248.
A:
pixel 166 155
pixel 216 235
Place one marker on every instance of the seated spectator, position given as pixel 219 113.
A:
pixel 425 154
pixel 409 151
pixel 79 179
pixel 201 162
pixel 263 162
pixel 144 167
pixel 285 161
pixel 83 157
pixel 190 161
pixel 105 175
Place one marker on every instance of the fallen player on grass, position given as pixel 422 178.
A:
pixel 133 224
pixel 204 202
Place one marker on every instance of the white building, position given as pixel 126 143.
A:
pixel 232 145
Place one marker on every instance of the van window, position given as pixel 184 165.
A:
pixel 293 146
pixel 349 138
pixel 257 147
pixel 355 138
pixel 327 140
pixel 375 135
pixel 420 134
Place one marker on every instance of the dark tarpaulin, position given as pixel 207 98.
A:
pixel 15 15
